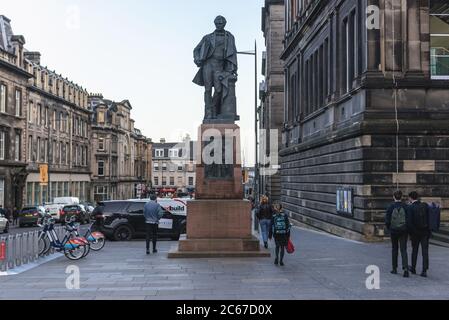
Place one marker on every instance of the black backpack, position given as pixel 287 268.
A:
pixel 421 216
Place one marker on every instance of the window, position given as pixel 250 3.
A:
pixel 54 120
pixel 46 117
pixel 45 150
pixel 439 39
pixel 136 208
pixel 156 181
pixel 67 153
pixel 2 192
pixel 18 103
pixel 61 153
pixel 101 117
pixel 17 147
pixel 38 155
pixel 172 167
pixel 30 112
pixel 39 114
pixel 101 168
pixel 180 167
pixel 164 167
pixel 164 181
pixel 173 153
pixel 101 144
pixel 156 167
pixel 30 149
pixel 2 145
pixel 159 153
pixel 172 181
pixel 190 181
pixel 101 193
pixel 3 98
pixel 61 124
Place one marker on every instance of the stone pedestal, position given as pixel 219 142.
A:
pixel 219 220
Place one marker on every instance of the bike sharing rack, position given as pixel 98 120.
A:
pixel 21 249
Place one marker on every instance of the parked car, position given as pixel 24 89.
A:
pixel 30 215
pixel 56 208
pixel 76 211
pixel 124 221
pixel 4 223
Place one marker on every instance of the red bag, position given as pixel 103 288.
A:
pixel 290 247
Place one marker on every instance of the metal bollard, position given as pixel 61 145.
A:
pixel 3 257
pixel 11 252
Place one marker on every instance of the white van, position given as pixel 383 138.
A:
pixel 55 209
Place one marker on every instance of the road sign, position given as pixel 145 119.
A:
pixel 43 169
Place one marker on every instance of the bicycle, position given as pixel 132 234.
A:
pixel 96 240
pixel 74 248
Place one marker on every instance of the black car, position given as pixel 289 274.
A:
pixel 30 215
pixel 124 221
pixel 77 211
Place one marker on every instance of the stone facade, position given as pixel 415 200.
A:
pixel 272 94
pixel 174 167
pixel 344 86
pixel 121 155
pixel 13 96
pixel 58 129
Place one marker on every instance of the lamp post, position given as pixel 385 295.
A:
pixel 256 163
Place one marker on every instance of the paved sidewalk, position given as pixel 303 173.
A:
pixel 324 267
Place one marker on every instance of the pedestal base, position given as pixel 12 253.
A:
pixel 218 228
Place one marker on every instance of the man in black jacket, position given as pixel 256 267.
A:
pixel 419 228
pixel 396 221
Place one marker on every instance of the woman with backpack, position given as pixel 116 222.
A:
pixel 264 213
pixel 280 230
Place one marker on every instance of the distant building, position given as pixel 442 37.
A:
pixel 174 167
pixel 272 95
pixel 13 113
pixel 121 155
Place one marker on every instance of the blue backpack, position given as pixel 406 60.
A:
pixel 280 224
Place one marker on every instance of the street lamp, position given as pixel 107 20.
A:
pixel 256 111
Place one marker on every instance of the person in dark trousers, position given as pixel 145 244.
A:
pixel 153 213
pixel 396 221
pixel 280 230
pixel 264 214
pixel 15 216
pixel 419 229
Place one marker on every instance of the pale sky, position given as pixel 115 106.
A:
pixel 141 50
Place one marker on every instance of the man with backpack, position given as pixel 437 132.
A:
pixel 419 228
pixel 396 221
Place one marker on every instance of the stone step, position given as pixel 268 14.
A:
pixel 439 243
pixel 442 237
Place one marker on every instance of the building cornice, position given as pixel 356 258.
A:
pixel 16 69
pixel 59 99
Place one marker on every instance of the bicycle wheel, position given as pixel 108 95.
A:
pixel 97 241
pixel 43 245
pixel 76 253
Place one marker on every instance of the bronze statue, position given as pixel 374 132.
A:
pixel 216 56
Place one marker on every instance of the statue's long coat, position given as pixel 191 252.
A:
pixel 205 49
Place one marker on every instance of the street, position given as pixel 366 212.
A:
pixel 324 267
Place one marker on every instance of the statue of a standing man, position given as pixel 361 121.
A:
pixel 216 56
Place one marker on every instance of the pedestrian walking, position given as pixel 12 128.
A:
pixel 419 228
pixel 264 214
pixel 15 216
pixel 153 213
pixel 396 220
pixel 280 230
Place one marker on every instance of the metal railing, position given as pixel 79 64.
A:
pixel 21 249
